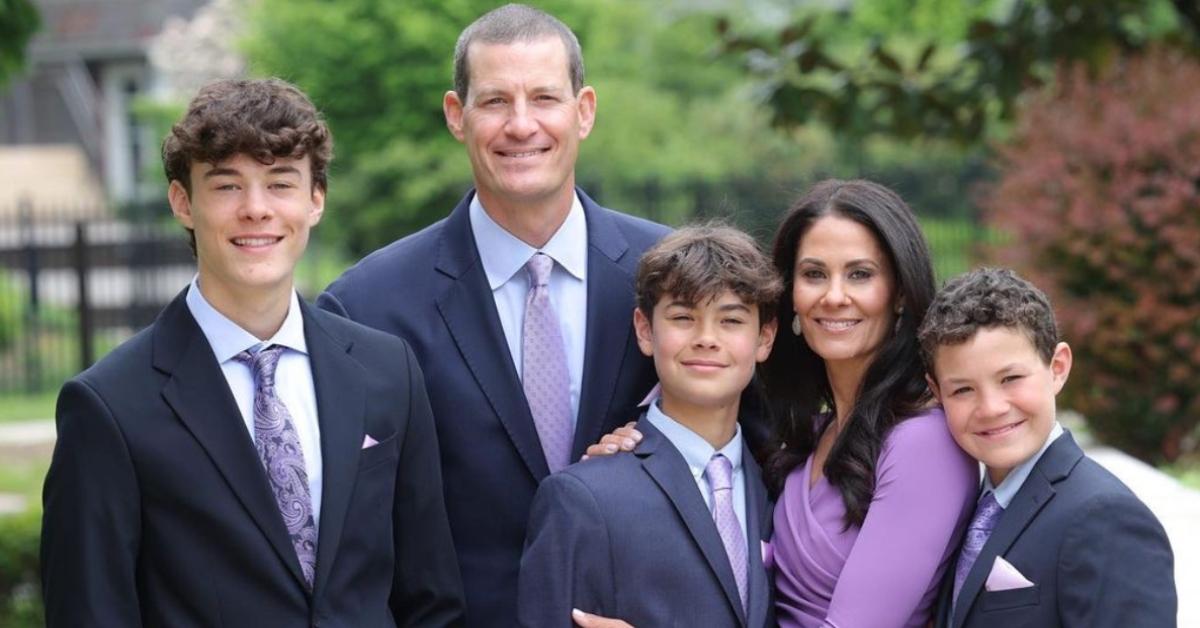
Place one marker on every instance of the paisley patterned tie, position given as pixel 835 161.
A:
pixel 279 449
pixel 544 373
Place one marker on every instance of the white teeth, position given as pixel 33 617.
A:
pixel 838 325
pixel 254 241
pixel 524 154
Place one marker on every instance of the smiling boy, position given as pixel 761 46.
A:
pixel 1056 539
pixel 670 534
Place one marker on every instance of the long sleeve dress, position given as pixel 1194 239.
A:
pixel 885 573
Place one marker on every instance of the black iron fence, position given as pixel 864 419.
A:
pixel 74 282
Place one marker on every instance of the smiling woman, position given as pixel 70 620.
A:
pixel 874 491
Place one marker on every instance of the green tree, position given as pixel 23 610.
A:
pixel 940 68
pixel 670 110
pixel 18 22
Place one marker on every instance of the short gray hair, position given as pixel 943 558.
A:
pixel 509 24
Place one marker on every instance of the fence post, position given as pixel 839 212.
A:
pixel 32 341
pixel 86 343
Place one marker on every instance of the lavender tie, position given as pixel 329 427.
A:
pixel 279 449
pixel 720 479
pixel 544 367
pixel 986 514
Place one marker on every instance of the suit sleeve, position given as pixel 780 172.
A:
pixel 427 587
pixel 1115 568
pixel 91 521
pixel 567 559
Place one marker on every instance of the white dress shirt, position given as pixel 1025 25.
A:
pixel 697 452
pixel 293 377
pixel 504 257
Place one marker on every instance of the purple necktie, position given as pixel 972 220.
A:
pixel 986 514
pixel 279 449
pixel 544 367
pixel 720 479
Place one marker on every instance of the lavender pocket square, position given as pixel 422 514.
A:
pixel 1004 577
pixel 369 442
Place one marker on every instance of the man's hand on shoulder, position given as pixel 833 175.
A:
pixel 624 438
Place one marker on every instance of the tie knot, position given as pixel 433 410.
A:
pixel 262 364
pixel 539 267
pixel 720 473
pixel 987 513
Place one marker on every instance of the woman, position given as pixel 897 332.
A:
pixel 875 493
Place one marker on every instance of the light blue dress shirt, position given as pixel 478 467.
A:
pixel 1016 478
pixel 697 452
pixel 293 377
pixel 504 257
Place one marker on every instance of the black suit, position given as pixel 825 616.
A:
pixel 1095 554
pixel 158 511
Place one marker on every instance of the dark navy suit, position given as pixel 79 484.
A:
pixel 430 289
pixel 1095 554
pixel 629 536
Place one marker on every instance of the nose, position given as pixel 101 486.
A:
pixel 706 335
pixel 836 294
pixel 255 205
pixel 992 403
pixel 521 123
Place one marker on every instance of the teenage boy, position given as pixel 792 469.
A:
pixel 1056 539
pixel 691 490
pixel 248 460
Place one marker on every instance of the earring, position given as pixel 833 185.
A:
pixel 796 329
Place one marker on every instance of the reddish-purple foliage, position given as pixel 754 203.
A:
pixel 1100 188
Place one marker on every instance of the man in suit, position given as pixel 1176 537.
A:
pixel 1056 540
pixel 671 534
pixel 517 304
pixel 248 460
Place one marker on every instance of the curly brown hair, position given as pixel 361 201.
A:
pixel 700 262
pixel 986 298
pixel 263 118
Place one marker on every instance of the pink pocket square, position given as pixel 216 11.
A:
pixel 369 442
pixel 1004 577
pixel 768 555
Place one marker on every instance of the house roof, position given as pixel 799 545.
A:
pixel 96 29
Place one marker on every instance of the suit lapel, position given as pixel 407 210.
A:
pixel 198 393
pixel 758 529
pixel 469 312
pixel 341 405
pixel 610 301
pixel 668 469
pixel 1037 491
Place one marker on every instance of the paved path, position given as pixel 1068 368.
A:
pixel 1177 506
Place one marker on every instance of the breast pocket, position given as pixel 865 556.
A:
pixel 379 454
pixel 1010 599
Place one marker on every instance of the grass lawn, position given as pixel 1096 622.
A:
pixel 23 407
pixel 1186 470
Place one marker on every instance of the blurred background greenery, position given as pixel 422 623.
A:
pixel 732 107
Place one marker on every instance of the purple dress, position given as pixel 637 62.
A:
pixel 886 573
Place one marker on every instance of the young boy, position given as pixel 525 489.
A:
pixel 248 460
pixel 670 535
pixel 1056 540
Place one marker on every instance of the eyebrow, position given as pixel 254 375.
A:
pixel 233 172
pixel 862 261
pixel 1007 368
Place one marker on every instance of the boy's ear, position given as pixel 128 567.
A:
pixel 766 339
pixel 181 203
pixel 645 334
pixel 1060 365
pixel 933 387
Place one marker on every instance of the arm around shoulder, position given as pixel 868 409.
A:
pixel 91 521
pixel 1116 568
pixel 567 562
pixel 427 587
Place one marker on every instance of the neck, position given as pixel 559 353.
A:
pixel 260 312
pixel 533 221
pixel 845 380
pixel 716 425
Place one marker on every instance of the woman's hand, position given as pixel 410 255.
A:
pixel 586 620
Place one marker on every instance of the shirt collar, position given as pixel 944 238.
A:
pixel 227 339
pixel 695 450
pixel 503 254
pixel 1016 478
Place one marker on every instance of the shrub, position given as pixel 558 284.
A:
pixel 1100 188
pixel 20 590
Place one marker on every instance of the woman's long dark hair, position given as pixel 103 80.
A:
pixel 893 387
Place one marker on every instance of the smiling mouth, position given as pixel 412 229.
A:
pixel 836 325
pixel 1000 431
pixel 524 154
pixel 258 241
pixel 702 364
